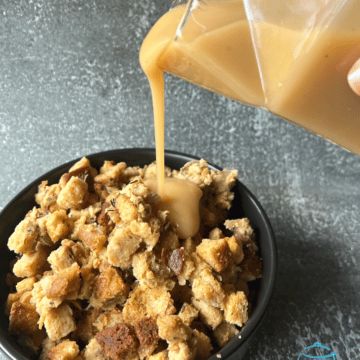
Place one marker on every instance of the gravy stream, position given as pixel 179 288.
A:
pixel 180 197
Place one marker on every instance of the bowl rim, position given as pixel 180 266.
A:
pixel 256 317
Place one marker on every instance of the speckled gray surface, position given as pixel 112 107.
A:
pixel 71 85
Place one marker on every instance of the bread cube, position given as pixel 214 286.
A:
pixel 180 350
pixel 236 249
pixel 94 351
pixel 188 313
pixel 47 196
pixel 150 270
pixel 224 333
pixel 251 267
pixel 108 319
pixel 127 210
pixel 24 237
pixel 25 285
pixel 59 322
pixel 109 289
pixel 62 283
pixel 209 289
pixel 74 194
pixel 31 263
pixel 147 332
pixel 119 342
pixel 122 246
pixel 209 315
pixel 147 301
pixel 241 228
pixel 93 236
pixel 203 346
pixel 216 253
pixel 236 308
pixel 148 231
pixel 216 234
pixel 66 350
pixel 110 173
pixel 23 319
pixel 57 225
pixel 171 328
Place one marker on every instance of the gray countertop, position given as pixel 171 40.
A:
pixel 71 85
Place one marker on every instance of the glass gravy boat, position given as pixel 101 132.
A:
pixel 290 57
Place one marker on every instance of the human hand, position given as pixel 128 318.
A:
pixel 354 77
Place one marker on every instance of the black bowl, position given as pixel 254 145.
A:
pixel 244 205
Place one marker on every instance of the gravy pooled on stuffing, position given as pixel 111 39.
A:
pixel 181 198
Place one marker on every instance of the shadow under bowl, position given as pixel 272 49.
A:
pixel 244 205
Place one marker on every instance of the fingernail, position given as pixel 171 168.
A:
pixel 354 78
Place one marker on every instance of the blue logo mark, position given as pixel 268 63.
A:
pixel 317 345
